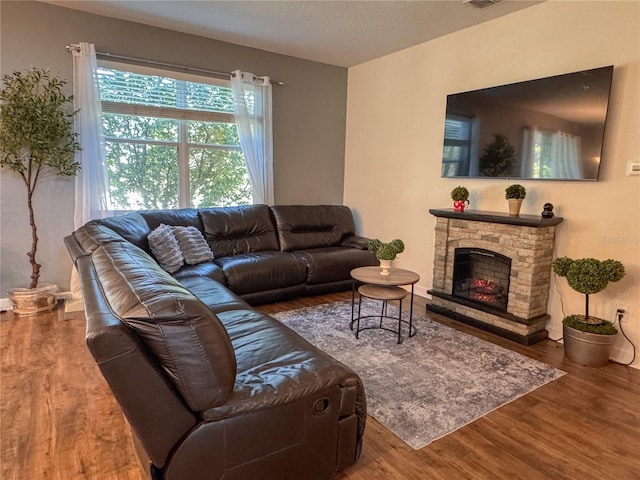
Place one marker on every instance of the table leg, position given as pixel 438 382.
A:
pixel 359 314
pixel 412 332
pixel 400 323
pixel 353 300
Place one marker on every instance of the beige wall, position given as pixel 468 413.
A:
pixel 309 118
pixel 395 121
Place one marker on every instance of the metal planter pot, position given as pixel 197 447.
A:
pixel 585 348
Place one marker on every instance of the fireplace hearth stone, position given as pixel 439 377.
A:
pixel 527 240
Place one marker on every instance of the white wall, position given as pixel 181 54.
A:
pixel 395 122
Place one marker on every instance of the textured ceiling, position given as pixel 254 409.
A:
pixel 343 33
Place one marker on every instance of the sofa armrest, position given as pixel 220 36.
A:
pixel 355 241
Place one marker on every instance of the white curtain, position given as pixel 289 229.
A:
pixel 252 101
pixel 547 154
pixel 527 158
pixel 91 183
pixel 565 149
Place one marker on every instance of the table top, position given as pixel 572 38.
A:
pixel 397 276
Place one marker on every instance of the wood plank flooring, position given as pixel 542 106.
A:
pixel 60 422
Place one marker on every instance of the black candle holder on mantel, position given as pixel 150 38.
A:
pixel 547 210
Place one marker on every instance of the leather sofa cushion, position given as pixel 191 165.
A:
pixel 205 269
pixel 214 295
pixel 259 271
pixel 94 234
pixel 333 264
pixel 237 230
pixel 187 339
pixel 312 226
pixel 132 227
pixel 184 217
pixel 275 365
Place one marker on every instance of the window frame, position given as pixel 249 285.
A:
pixel 462 165
pixel 181 115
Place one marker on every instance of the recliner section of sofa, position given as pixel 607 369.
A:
pixel 212 388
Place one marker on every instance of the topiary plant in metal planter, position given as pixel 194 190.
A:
pixel 587 339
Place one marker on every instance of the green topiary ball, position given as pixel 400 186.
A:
pixel 386 251
pixel 588 275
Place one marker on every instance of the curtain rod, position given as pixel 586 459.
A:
pixel 165 65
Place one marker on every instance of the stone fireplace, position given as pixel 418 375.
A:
pixel 492 271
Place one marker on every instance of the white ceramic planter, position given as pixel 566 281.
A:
pixel 32 301
pixel 385 265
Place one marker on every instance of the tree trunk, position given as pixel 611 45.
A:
pixel 586 306
pixel 35 266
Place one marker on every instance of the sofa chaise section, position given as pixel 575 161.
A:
pixel 231 395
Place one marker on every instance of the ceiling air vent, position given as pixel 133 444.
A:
pixel 480 3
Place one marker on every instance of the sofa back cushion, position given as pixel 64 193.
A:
pixel 236 230
pixel 302 227
pixel 93 234
pixel 131 226
pixel 187 339
pixel 184 217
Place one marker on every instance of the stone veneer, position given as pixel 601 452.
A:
pixel 527 240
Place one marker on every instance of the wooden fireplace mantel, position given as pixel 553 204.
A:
pixel 497 217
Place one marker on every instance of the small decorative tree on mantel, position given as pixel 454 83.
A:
pixel 36 137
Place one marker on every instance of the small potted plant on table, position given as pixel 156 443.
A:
pixel 515 195
pixel 588 340
pixel 386 252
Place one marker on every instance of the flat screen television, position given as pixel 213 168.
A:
pixel 546 129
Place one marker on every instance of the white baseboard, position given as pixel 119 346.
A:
pixel 63 295
pixel 73 305
pixel 5 305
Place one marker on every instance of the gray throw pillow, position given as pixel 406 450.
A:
pixel 195 248
pixel 165 248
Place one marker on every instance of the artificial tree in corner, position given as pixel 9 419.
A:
pixel 588 339
pixel 36 140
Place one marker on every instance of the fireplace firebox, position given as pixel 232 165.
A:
pixel 481 276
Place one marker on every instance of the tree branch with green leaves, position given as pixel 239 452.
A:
pixel 36 136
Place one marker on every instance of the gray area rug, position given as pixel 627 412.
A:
pixel 429 385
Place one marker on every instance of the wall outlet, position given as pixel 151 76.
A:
pixel 625 312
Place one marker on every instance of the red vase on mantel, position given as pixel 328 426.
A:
pixel 459 205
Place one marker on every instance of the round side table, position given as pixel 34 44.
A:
pixel 370 276
pixel 384 293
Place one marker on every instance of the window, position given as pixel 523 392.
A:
pixel 457 146
pixel 171 140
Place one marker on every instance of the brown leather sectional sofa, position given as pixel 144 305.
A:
pixel 212 388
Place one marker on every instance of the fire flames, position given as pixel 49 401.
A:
pixel 486 291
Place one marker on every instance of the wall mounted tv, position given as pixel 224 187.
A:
pixel 547 129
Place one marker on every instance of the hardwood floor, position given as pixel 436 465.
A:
pixel 60 422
